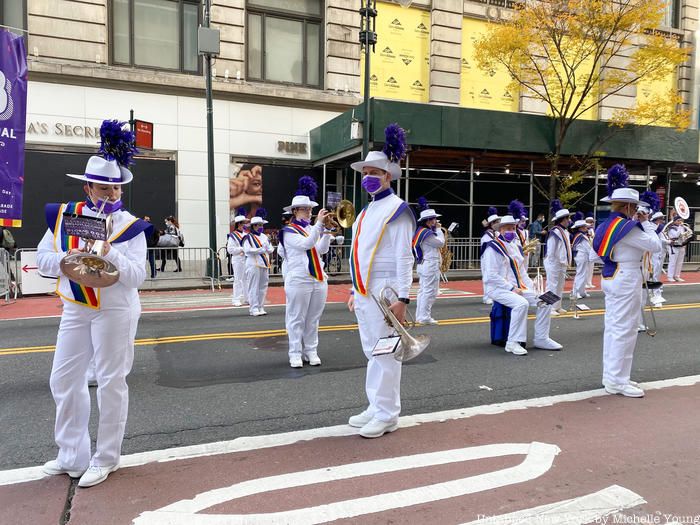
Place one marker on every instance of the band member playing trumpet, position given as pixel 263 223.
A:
pixel 657 259
pixel 96 322
pixel 257 249
pixel 676 250
pixel 507 282
pixel 491 225
pixel 621 242
pixel 234 246
pixel 581 248
pixel 305 282
pixel 557 257
pixel 427 242
pixel 381 255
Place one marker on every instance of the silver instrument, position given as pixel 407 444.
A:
pixel 651 330
pixel 573 304
pixel 410 346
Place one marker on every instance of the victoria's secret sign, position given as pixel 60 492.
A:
pixel 62 130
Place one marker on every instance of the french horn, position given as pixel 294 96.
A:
pixel 341 217
pixel 409 346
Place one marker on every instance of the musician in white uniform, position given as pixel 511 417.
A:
pixel 581 250
pixel 621 242
pixel 676 251
pixel 234 246
pixel 657 260
pixel 517 210
pixel 558 255
pixel 491 225
pixel 381 255
pixel 305 282
pixel 428 240
pixel 590 222
pixel 257 249
pixel 96 322
pixel 507 282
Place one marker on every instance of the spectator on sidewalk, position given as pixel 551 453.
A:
pixel 171 238
pixel 152 243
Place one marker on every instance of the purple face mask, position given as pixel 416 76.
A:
pixel 110 206
pixel 371 184
pixel 509 236
pixel 258 229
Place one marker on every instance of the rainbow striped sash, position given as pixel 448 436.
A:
pixel 578 239
pixel 607 235
pixel 501 248
pixel 238 236
pixel 418 238
pixel 81 294
pixel 315 268
pixel 355 273
pixel 256 242
pixel 564 236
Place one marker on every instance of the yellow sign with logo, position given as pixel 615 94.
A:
pixel 400 67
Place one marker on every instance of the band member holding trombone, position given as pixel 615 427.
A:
pixel 97 322
pixel 427 242
pixel 507 282
pixel 381 255
pixel 305 282
pixel 621 242
pixel 557 257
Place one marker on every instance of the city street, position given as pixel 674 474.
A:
pixel 214 375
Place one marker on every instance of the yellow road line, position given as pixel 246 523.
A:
pixel 331 328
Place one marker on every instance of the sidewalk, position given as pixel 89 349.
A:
pixel 182 300
pixel 570 459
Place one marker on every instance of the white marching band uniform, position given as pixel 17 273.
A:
pixel 305 287
pixel 582 248
pixel 557 260
pixel 486 238
pixel 427 244
pixel 592 259
pixel 381 256
pixel 234 247
pixel 676 253
pixel 521 239
pixel 257 249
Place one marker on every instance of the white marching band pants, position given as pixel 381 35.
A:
pixel 109 336
pixel 675 262
pixel 589 273
pixel 583 266
pixel 257 280
pixel 305 302
pixel 383 381
pixel 519 305
pixel 623 306
pixel 556 275
pixel 239 293
pixel 429 278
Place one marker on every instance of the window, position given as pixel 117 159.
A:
pixel 13 14
pixel 160 34
pixel 671 14
pixel 284 40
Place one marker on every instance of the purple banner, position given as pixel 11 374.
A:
pixel 13 116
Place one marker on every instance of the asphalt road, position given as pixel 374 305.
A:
pixel 203 381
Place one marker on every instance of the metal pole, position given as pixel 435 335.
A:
pixel 210 147
pixel 408 164
pixel 595 194
pixel 324 190
pixel 648 175
pixel 129 201
pixel 668 189
pixel 471 199
pixel 368 37
pixel 532 188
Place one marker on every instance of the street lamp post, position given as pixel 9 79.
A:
pixel 368 39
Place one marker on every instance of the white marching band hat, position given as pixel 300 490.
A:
pixel 300 201
pixel 561 214
pixel 507 219
pixel 493 218
pixel 257 220
pixel 239 218
pixel 657 215
pixel 579 224
pixel 102 171
pixel 428 214
pixel 378 159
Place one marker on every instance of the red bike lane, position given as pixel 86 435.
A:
pixel 577 458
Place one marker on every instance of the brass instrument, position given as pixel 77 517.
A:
pixel 90 268
pixel 341 217
pixel 445 254
pixel 683 211
pixel 409 346
pixel 530 246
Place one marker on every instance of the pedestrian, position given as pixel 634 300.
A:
pixel 491 225
pixel 620 242
pixel 507 283
pixel 99 322
pixel 305 281
pixel 581 249
pixel 171 238
pixel 152 244
pixel 557 255
pixel 428 240
pixel 381 256
pixel 234 248
pixel 257 249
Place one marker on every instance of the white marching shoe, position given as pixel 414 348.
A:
pixel 361 419
pixel 295 362
pixel 236 303
pixel 377 428
pixel 52 468
pixel 515 348
pixel 312 359
pixel 95 475
pixel 547 344
pixel 487 300
pixel 628 390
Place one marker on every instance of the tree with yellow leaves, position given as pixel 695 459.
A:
pixel 573 55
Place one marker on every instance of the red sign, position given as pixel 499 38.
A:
pixel 144 134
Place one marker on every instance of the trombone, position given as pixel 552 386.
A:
pixel 410 346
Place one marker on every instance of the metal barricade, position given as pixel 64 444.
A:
pixel 5 275
pixel 181 264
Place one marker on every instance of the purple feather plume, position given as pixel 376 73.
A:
pixel 117 143
pixel 423 203
pixel 308 187
pixel 556 206
pixel 517 209
pixel 578 216
pixel 652 199
pixel 262 212
pixel 589 214
pixel 241 211
pixel 617 178
pixel 491 211
pixel 394 143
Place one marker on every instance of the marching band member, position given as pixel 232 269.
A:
pixel 658 258
pixel 676 251
pixel 517 210
pixel 305 282
pixel 649 203
pixel 491 225
pixel 557 257
pixel 621 242
pixel 381 255
pixel 507 282
pixel 590 221
pixel 99 322
pixel 287 217
pixel 234 246
pixel 427 242
pixel 257 249
pixel 581 248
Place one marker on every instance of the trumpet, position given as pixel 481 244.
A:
pixel 530 246
pixel 410 346
pixel 341 217
pixel 445 253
